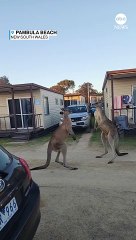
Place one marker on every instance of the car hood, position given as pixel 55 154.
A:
pixel 75 115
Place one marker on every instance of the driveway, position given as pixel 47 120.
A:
pixel 95 202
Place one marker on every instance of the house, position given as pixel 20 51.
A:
pixel 28 108
pixel 95 98
pixel 73 98
pixel 119 89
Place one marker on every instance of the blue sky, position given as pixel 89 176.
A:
pixel 87 45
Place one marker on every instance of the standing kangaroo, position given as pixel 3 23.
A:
pixel 57 142
pixel 109 133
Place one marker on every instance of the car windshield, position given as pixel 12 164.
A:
pixel 77 109
pixel 5 158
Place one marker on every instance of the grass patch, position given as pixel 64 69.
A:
pixel 36 141
pixel 4 141
pixel 92 121
pixel 69 140
pixel 31 142
pixel 128 142
pixel 39 140
pixel 44 139
pixel 96 138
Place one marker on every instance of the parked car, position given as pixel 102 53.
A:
pixel 92 107
pixel 79 115
pixel 19 199
pixel 92 110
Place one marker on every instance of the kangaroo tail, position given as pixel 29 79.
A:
pixel 49 150
pixel 120 154
pixel 38 168
pixel 42 166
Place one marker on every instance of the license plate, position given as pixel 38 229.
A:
pixel 73 123
pixel 7 212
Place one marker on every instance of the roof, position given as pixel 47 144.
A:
pixel 118 74
pixel 23 87
pixel 72 94
pixel 96 94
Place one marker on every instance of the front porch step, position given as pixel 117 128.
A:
pixel 5 134
pixel 21 133
pixel 21 137
pixel 24 134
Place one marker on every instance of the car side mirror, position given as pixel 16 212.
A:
pixel 61 113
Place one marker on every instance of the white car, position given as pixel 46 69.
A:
pixel 79 115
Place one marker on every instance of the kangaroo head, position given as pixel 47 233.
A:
pixel 65 112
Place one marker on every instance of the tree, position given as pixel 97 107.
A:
pixel 67 84
pixel 4 80
pixel 85 89
pixel 63 86
pixel 57 89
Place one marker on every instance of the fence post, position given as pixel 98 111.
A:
pixel 32 102
pixel 14 109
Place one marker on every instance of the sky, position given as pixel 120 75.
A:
pixel 86 46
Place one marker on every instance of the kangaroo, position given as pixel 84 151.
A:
pixel 109 133
pixel 57 142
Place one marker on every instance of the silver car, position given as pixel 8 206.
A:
pixel 79 115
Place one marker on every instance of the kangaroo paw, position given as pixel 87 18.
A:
pixel 110 162
pixel 61 163
pixel 71 168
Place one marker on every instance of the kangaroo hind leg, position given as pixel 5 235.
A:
pixel 112 144
pixel 64 153
pixel 57 158
pixel 104 142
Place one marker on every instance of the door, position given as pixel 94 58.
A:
pixel 66 103
pixel 23 109
pixel 26 110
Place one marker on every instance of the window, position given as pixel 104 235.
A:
pixel 66 103
pixel 107 105
pixel 73 102
pixel 56 101
pixel 46 105
pixel 61 102
pixel 77 109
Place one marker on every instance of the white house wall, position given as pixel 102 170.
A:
pixel 55 104
pixel 46 120
pixel 107 99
